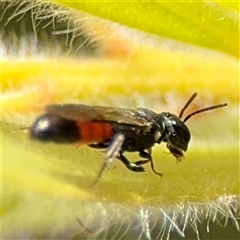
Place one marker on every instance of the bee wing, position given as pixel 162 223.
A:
pixel 84 113
pixel 126 116
pixel 77 112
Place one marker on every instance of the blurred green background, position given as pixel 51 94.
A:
pixel 53 54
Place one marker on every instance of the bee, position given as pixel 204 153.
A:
pixel 117 130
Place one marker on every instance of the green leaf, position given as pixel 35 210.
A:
pixel 210 24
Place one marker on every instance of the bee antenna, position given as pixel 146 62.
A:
pixel 203 110
pixel 187 104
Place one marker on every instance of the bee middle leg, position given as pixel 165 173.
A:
pixel 147 155
pixel 131 166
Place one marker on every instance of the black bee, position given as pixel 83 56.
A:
pixel 116 130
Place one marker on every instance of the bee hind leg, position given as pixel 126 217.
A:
pixel 112 151
pixel 98 145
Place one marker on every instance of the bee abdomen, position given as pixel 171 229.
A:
pixel 50 127
pixel 94 132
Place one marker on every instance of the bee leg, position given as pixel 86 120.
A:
pixel 131 166
pixel 111 152
pixel 144 154
pixel 97 145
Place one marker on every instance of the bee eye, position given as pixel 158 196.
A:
pixel 180 137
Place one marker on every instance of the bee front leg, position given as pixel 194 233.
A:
pixel 144 154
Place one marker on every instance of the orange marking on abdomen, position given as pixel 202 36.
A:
pixel 94 132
